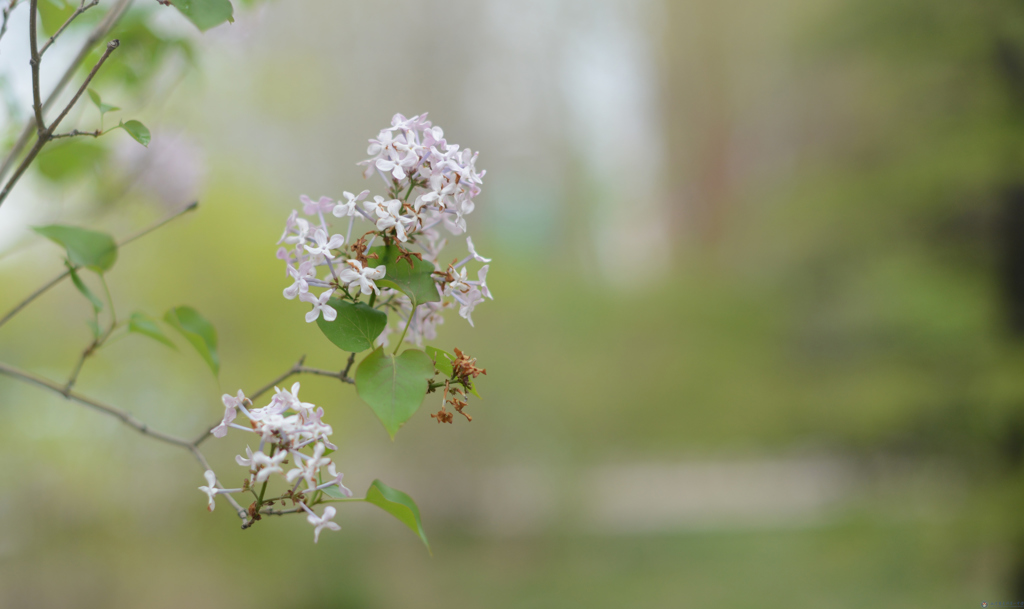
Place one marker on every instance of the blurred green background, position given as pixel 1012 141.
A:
pixel 759 273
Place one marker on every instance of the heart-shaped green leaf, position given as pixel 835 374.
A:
pixel 415 281
pixel 394 386
pixel 140 323
pixel 356 326
pixel 199 332
pixel 93 250
pixel 205 14
pixel 399 505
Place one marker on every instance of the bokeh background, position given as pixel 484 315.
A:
pixel 757 338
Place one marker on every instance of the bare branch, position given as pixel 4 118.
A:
pixel 44 135
pixel 82 7
pixel 124 416
pixel 37 101
pixel 102 29
pixel 21 305
pixel 76 133
pixel 7 15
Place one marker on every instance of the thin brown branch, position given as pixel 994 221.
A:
pixel 21 305
pixel 44 135
pixel 76 133
pixel 124 416
pixel 82 7
pixel 7 15
pixel 99 32
pixel 37 98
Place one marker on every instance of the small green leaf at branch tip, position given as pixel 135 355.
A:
pixel 97 304
pixel 103 108
pixel 414 281
pixel 138 131
pixel 140 323
pixel 93 250
pixel 356 326
pixel 198 331
pixel 399 505
pixel 394 387
pixel 205 14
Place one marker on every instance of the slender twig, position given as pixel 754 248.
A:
pixel 297 368
pixel 97 342
pixel 37 98
pixel 76 133
pixel 99 32
pixel 124 416
pixel 21 305
pixel 82 7
pixel 44 134
pixel 6 15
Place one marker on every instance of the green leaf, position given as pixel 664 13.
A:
pixel 334 491
pixel 104 108
pixel 399 505
pixel 140 323
pixel 93 250
pixel 197 331
pixel 138 131
pixel 394 386
pixel 205 14
pixel 356 326
pixel 443 362
pixel 97 304
pixel 94 327
pixel 414 281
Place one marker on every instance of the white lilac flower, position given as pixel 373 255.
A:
pixel 301 277
pixel 266 466
pixel 319 306
pixel 354 274
pixel 389 215
pixel 482 276
pixel 348 208
pixel 314 208
pixel 311 467
pixel 322 522
pixel 468 302
pixel 231 404
pixel 210 489
pixel 472 251
pixel 324 245
pixel 245 461
pixel 458 284
pixel 336 480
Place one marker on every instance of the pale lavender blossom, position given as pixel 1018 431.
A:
pixel 319 306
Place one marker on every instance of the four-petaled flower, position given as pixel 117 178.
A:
pixel 324 245
pixel 362 277
pixel 319 305
pixel 210 489
pixel 323 522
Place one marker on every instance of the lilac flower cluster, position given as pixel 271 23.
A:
pixel 300 439
pixel 430 184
